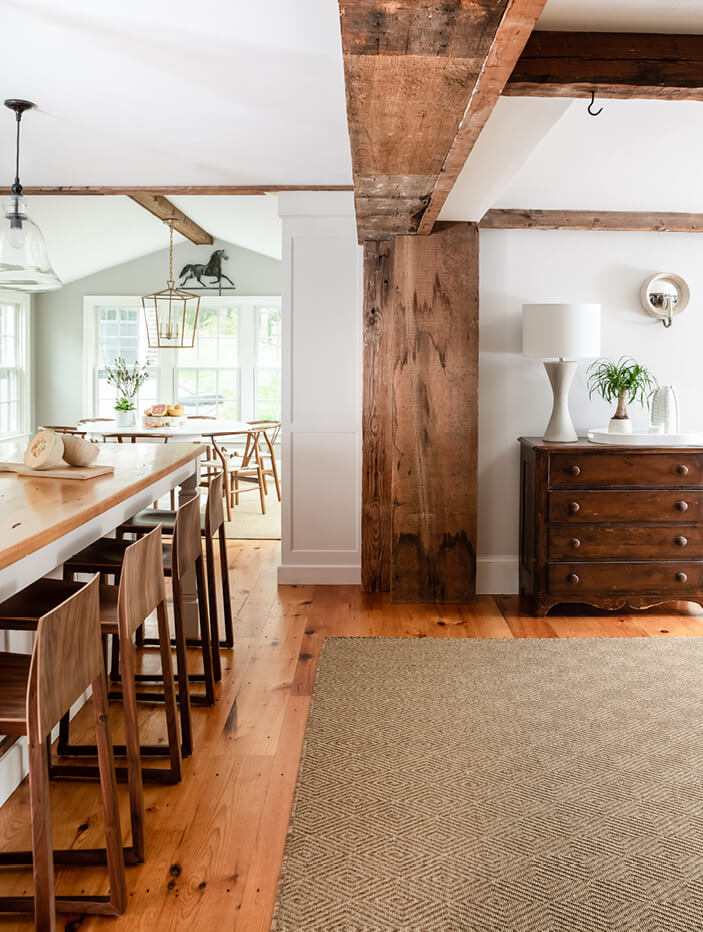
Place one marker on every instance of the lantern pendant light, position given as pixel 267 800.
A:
pixel 24 260
pixel 171 315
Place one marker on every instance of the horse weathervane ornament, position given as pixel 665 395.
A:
pixel 213 269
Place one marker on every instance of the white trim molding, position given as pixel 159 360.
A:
pixel 498 574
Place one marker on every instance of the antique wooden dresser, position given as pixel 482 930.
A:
pixel 609 525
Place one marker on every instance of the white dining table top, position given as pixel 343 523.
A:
pixel 191 427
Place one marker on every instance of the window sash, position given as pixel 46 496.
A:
pixel 232 371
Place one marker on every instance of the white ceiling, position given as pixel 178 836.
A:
pixel 672 16
pixel 164 92
pixel 86 234
pixel 637 155
pixel 170 92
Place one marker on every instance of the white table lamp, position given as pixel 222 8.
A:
pixel 563 333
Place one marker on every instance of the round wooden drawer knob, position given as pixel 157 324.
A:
pixel 575 543
pixel 574 507
pixel 682 506
pixel 572 578
pixel 574 470
pixel 682 470
pixel 681 541
pixel 681 577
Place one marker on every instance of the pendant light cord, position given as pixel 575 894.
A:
pixel 17 187
pixel 170 255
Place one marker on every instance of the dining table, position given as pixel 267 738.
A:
pixel 211 429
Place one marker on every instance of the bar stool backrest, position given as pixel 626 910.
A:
pixel 142 586
pixel 214 508
pixel 187 545
pixel 68 639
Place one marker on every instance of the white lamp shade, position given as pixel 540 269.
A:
pixel 561 331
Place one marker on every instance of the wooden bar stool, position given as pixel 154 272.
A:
pixel 185 554
pixel 35 692
pixel 123 610
pixel 212 524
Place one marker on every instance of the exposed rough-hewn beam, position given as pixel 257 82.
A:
pixel 412 69
pixel 573 64
pixel 162 208
pixel 177 190
pixel 608 220
pixel 434 345
pixel 513 32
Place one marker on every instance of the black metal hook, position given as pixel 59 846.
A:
pixel 593 100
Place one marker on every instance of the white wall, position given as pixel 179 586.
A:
pixel 58 319
pixel 519 267
pixel 321 387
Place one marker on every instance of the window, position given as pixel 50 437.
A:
pixel 120 331
pixel 14 366
pixel 208 377
pixel 268 363
pixel 233 371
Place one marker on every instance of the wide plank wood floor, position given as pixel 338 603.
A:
pixel 215 841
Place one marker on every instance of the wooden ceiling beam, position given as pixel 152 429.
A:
pixel 175 190
pixel 608 220
pixel 421 77
pixel 162 208
pixel 513 32
pixel 620 65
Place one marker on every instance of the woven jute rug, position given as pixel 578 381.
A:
pixel 247 521
pixel 502 785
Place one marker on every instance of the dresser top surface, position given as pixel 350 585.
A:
pixel 583 444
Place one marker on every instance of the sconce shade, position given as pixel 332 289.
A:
pixel 561 331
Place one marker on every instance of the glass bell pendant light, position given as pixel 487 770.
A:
pixel 24 261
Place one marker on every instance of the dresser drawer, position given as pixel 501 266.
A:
pixel 625 470
pixel 599 542
pixel 677 579
pixel 578 507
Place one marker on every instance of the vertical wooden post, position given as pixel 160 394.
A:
pixel 435 415
pixel 377 417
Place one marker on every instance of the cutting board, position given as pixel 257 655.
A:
pixel 60 472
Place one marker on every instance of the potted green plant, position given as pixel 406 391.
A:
pixel 127 380
pixel 624 381
pixel 124 412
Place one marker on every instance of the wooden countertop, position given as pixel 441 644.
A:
pixel 35 512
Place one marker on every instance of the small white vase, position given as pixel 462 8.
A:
pixel 665 409
pixel 124 418
pixel 620 425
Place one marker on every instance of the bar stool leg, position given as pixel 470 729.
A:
pixel 171 706
pixel 44 901
pixel 108 787
pixel 134 762
pixel 212 600
pixel 205 633
pixel 182 669
pixel 226 596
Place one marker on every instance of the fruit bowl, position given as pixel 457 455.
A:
pixel 161 415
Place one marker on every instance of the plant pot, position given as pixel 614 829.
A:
pixel 125 418
pixel 620 425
